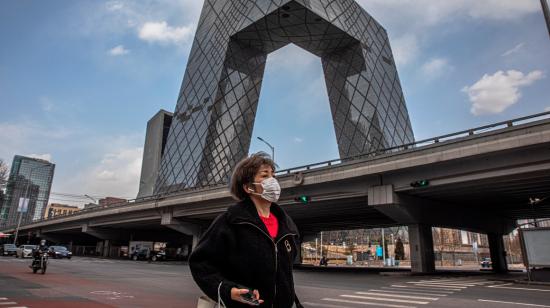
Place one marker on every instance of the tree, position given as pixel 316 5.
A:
pixel 399 249
pixel 4 172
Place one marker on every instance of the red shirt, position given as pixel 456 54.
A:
pixel 272 225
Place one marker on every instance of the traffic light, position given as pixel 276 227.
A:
pixel 303 199
pixel 420 183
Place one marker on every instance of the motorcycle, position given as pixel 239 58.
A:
pixel 40 263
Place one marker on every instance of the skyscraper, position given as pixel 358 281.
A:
pixel 216 108
pixel 29 178
pixel 155 142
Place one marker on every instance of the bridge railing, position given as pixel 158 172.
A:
pixel 423 143
pixel 329 163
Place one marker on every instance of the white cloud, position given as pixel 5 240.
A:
pixel 47 157
pixel 433 12
pixel 516 49
pixel 298 140
pixel 25 136
pixel 547 108
pixel 118 51
pixel 46 104
pixel 114 6
pixel 405 49
pixel 436 67
pixel 423 17
pixel 116 174
pixel 495 93
pixel 161 32
pixel 501 9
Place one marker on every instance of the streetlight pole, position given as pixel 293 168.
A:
pixel 546 12
pixel 269 145
pixel 93 199
pixel 27 198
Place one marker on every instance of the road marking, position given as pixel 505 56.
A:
pixel 324 305
pixel 457 280
pixel 398 296
pixel 3 298
pixel 394 300
pixel 425 288
pixel 390 290
pixel 502 286
pixel 413 289
pixel 452 284
pixel 438 285
pixel 511 303
pixel 8 303
pixel 365 303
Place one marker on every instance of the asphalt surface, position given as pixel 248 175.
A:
pixel 91 282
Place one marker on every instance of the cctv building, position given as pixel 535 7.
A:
pixel 216 108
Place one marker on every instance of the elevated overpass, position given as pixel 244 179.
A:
pixel 480 180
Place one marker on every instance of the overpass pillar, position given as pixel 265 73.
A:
pixel 194 230
pixel 498 253
pixel 422 248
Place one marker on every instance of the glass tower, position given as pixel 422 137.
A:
pixel 216 108
pixel 29 178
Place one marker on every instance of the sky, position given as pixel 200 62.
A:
pixel 80 79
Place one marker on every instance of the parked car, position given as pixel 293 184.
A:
pixel 486 262
pixel 145 253
pixel 8 250
pixel 25 251
pixel 59 252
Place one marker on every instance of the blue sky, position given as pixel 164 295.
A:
pixel 80 79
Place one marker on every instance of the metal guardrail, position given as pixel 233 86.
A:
pixel 423 143
pixel 329 163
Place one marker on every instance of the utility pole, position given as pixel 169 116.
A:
pixel 546 12
pixel 383 247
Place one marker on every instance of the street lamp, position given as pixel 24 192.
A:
pixel 269 145
pixel 94 200
pixel 27 199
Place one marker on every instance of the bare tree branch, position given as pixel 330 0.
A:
pixel 4 172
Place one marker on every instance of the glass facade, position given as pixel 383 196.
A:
pixel 216 108
pixel 30 178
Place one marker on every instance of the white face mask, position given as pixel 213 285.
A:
pixel 272 190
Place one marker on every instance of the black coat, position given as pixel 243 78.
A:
pixel 237 250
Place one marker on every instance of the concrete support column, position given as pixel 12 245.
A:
pixel 422 248
pixel 298 260
pixel 106 248
pixel 194 230
pixel 498 253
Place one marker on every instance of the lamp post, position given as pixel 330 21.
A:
pixel 91 198
pixel 269 145
pixel 27 201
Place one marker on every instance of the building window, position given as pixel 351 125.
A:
pixel 464 237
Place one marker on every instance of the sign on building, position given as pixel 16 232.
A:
pixel 23 205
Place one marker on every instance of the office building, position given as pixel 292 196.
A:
pixel 30 178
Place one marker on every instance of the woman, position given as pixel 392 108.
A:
pixel 249 250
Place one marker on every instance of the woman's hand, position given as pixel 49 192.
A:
pixel 236 295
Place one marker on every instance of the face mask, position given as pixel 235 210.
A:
pixel 272 190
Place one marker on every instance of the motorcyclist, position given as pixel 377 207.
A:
pixel 37 253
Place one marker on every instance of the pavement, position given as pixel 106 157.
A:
pixel 92 282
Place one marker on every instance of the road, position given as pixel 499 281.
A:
pixel 91 282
